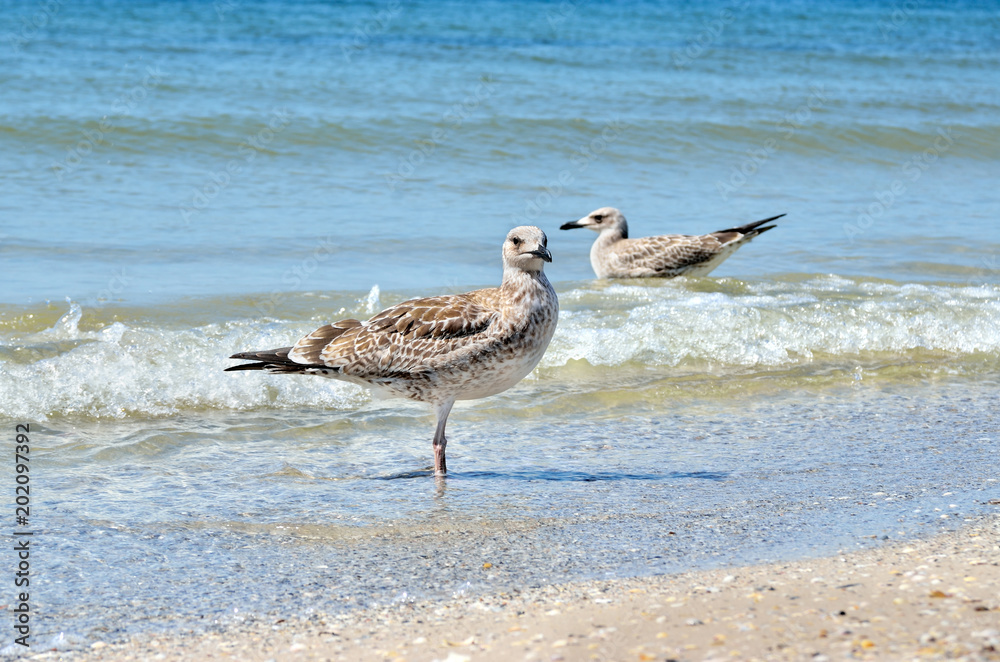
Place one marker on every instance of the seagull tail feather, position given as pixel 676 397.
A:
pixel 273 360
pixel 753 229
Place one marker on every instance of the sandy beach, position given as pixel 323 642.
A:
pixel 937 598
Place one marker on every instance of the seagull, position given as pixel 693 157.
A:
pixel 439 349
pixel 614 255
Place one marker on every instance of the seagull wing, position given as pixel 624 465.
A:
pixel 653 256
pixel 400 339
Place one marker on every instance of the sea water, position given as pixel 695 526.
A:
pixel 185 180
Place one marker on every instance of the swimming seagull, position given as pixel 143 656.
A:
pixel 614 255
pixel 439 349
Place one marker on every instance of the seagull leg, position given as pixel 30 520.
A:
pixel 442 410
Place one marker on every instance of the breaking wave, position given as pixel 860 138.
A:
pixel 116 365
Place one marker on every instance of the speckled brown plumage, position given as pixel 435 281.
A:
pixel 439 349
pixel 614 255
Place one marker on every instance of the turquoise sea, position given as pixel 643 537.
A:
pixel 183 180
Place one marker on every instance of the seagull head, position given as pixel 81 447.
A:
pixel 600 220
pixel 525 249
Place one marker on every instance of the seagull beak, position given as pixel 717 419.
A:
pixel 542 252
pixel 571 225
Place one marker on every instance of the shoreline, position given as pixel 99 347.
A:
pixel 934 598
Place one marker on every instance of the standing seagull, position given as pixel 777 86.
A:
pixel 439 349
pixel 614 255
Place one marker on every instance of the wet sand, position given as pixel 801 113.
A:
pixel 928 599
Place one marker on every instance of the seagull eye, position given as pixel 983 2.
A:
pixel 516 241
pixel 598 217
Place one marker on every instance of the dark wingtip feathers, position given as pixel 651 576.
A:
pixel 275 360
pixel 245 366
pixel 270 355
pixel 753 229
pixel 263 360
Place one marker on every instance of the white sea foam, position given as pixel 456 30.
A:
pixel 126 369
pixel 772 324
